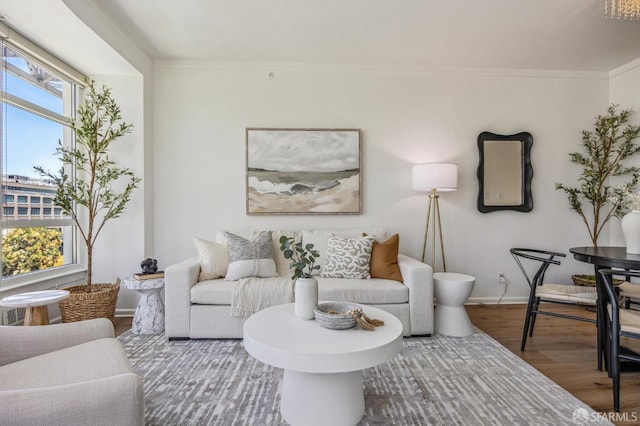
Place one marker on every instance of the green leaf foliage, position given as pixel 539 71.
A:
pixel 97 185
pixel 603 151
pixel 30 249
pixel 303 259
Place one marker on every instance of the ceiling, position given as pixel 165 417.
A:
pixel 522 34
pixel 571 35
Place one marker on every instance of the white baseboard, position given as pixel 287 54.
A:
pixel 494 300
pixel 125 312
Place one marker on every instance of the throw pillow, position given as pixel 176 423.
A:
pixel 319 239
pixel 384 259
pixel 348 257
pixel 250 258
pixel 213 258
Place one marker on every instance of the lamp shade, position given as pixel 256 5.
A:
pixel 439 176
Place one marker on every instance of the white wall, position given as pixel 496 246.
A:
pixel 624 87
pixel 406 117
pixel 190 147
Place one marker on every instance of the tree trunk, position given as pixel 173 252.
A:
pixel 89 266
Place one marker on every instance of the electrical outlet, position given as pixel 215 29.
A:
pixel 502 278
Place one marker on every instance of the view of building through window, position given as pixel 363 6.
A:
pixel 36 109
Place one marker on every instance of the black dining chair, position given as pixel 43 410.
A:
pixel 534 264
pixel 617 323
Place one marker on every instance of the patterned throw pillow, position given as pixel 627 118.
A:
pixel 348 257
pixel 250 258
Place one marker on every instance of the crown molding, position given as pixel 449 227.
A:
pixel 356 68
pixel 628 67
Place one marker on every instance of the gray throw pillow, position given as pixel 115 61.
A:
pixel 250 258
pixel 348 257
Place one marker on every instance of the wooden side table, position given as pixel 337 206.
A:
pixel 149 315
pixel 35 304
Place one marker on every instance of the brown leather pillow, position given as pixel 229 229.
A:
pixel 384 259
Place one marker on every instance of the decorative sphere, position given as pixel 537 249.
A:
pixel 149 266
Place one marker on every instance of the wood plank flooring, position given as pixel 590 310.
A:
pixel 563 350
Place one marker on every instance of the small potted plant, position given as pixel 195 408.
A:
pixel 303 259
pixel 90 198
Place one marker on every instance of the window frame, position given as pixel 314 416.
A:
pixel 72 95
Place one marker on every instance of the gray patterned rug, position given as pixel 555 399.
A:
pixel 435 380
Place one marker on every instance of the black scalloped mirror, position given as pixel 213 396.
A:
pixel 505 172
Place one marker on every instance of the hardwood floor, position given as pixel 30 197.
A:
pixel 122 324
pixel 563 350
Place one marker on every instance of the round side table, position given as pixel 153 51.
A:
pixel 452 291
pixel 149 315
pixel 35 304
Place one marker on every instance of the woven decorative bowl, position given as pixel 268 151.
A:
pixel 328 319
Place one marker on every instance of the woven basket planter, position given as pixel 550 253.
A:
pixel 100 303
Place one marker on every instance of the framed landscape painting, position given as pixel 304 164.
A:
pixel 303 171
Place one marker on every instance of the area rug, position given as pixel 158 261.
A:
pixel 434 380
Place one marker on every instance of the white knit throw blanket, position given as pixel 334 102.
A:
pixel 253 294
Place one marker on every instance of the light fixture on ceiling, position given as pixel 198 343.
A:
pixel 625 9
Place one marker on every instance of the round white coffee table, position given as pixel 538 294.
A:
pixel 35 304
pixel 322 382
pixel 149 315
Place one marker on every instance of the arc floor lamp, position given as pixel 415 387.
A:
pixel 434 177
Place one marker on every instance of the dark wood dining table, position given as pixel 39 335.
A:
pixel 605 258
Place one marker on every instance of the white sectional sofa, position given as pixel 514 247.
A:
pixel 202 309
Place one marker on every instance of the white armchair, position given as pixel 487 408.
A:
pixel 67 374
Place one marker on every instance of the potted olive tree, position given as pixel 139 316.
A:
pixel 604 150
pixel 94 196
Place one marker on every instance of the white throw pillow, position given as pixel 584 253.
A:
pixel 348 257
pixel 213 258
pixel 250 258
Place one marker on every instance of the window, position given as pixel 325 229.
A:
pixel 39 95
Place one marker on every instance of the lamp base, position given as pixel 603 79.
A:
pixel 433 209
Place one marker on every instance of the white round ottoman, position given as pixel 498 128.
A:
pixel 452 290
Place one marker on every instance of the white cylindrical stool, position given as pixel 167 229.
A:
pixel 452 290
